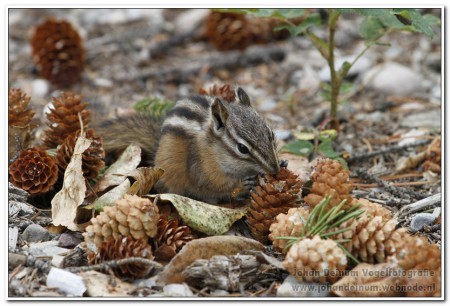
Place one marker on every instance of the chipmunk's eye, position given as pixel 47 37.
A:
pixel 242 148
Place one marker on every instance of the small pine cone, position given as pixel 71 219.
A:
pixel 374 209
pixel 34 171
pixel 330 178
pixel 92 158
pixel 433 156
pixel 288 225
pixel 415 255
pixel 371 239
pixel 172 234
pixel 58 52
pixel 228 31
pixel 63 118
pixel 225 92
pixel 18 112
pixel 274 196
pixel 316 260
pixel 121 248
pixel 130 216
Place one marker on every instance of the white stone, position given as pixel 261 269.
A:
pixel 66 281
pixel 180 290
pixel 47 248
pixel 421 220
pixel 430 119
pixel 189 20
pixel 292 288
pixel 393 79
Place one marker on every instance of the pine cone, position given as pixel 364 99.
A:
pixel 288 225
pixel 415 255
pixel 225 92
pixel 316 260
pixel 330 177
pixel 19 114
pixel 63 118
pixel 172 234
pixel 121 248
pixel 275 195
pixel 433 156
pixel 34 171
pixel 58 52
pixel 372 239
pixel 92 158
pixel 228 31
pixel 374 209
pixel 130 216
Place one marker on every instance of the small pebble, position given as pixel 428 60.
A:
pixel 178 290
pixel 421 220
pixel 35 233
pixel 47 248
pixel 67 240
pixel 292 288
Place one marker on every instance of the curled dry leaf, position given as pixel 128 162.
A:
pixel 117 172
pixel 145 179
pixel 203 217
pixel 366 280
pixel 110 198
pixel 205 248
pixel 66 202
pixel 409 162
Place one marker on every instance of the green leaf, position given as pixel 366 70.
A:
pixel 203 217
pixel 417 21
pixel 371 28
pixel 298 147
pixel 326 149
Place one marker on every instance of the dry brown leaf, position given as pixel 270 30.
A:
pixel 145 179
pixel 118 172
pixel 205 248
pixel 67 200
pixel 366 280
pixel 110 198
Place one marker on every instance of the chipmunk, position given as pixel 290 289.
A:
pixel 207 147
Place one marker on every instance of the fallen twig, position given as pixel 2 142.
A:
pixel 396 191
pixel 429 202
pixel 392 149
pixel 116 263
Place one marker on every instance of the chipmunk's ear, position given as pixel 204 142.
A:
pixel 220 113
pixel 243 97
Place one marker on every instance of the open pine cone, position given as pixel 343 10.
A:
pixel 34 171
pixel 19 113
pixel 316 260
pixel 374 209
pixel 120 248
pixel 330 177
pixel 63 118
pixel 228 31
pixel 173 234
pixel 58 52
pixel 274 195
pixel 225 92
pixel 130 216
pixel 92 158
pixel 288 225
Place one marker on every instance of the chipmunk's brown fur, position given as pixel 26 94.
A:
pixel 207 147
